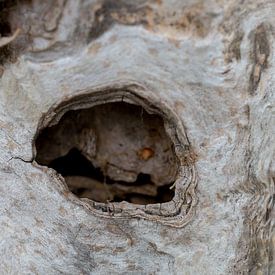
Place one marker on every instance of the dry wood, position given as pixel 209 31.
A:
pixel 207 68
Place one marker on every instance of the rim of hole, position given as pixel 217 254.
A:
pixel 177 212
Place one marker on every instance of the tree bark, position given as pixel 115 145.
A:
pixel 206 68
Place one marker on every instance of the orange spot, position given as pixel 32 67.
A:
pixel 145 153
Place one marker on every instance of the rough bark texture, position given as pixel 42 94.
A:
pixel 207 68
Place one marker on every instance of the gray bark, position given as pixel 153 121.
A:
pixel 207 68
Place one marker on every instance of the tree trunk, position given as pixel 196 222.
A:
pixel 137 137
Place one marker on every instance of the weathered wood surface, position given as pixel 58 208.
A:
pixel 209 64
